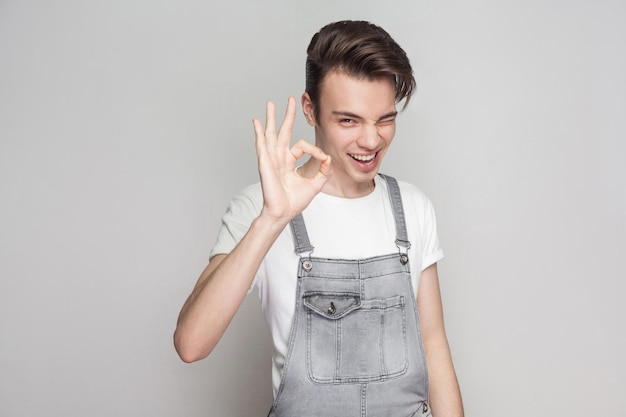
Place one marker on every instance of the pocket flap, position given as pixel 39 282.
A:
pixel 332 305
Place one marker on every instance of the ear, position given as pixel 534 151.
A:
pixel 308 109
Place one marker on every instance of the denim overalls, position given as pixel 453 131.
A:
pixel 355 348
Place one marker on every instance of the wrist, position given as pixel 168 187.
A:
pixel 267 224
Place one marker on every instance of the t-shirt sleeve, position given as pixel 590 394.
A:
pixel 241 211
pixel 421 216
pixel 431 251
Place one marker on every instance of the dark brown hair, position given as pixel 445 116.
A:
pixel 360 49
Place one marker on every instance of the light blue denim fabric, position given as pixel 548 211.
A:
pixel 355 348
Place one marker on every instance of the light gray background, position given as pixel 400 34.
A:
pixel 125 129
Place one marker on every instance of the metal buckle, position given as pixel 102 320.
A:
pixel 404 256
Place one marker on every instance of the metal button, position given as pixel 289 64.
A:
pixel 307 265
pixel 332 309
pixel 404 259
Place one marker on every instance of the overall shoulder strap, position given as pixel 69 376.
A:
pixel 300 236
pixel 402 238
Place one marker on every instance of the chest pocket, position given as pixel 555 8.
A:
pixel 352 340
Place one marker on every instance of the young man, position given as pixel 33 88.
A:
pixel 344 259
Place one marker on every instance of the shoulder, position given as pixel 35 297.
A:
pixel 244 207
pixel 250 199
pixel 411 190
pixel 412 195
pixel 241 211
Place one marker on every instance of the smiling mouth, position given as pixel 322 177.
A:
pixel 365 159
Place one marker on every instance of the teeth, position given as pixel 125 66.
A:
pixel 363 158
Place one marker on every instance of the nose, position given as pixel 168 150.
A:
pixel 369 138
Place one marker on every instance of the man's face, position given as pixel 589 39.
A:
pixel 355 125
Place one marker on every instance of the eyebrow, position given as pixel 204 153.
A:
pixel 356 116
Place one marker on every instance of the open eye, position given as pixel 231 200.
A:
pixel 347 122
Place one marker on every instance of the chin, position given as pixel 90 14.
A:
pixel 365 177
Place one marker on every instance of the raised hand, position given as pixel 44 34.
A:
pixel 285 192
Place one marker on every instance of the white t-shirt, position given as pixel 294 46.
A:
pixel 338 228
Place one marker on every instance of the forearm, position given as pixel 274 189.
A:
pixel 220 291
pixel 224 283
pixel 445 395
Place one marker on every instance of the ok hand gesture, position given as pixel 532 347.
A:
pixel 285 192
